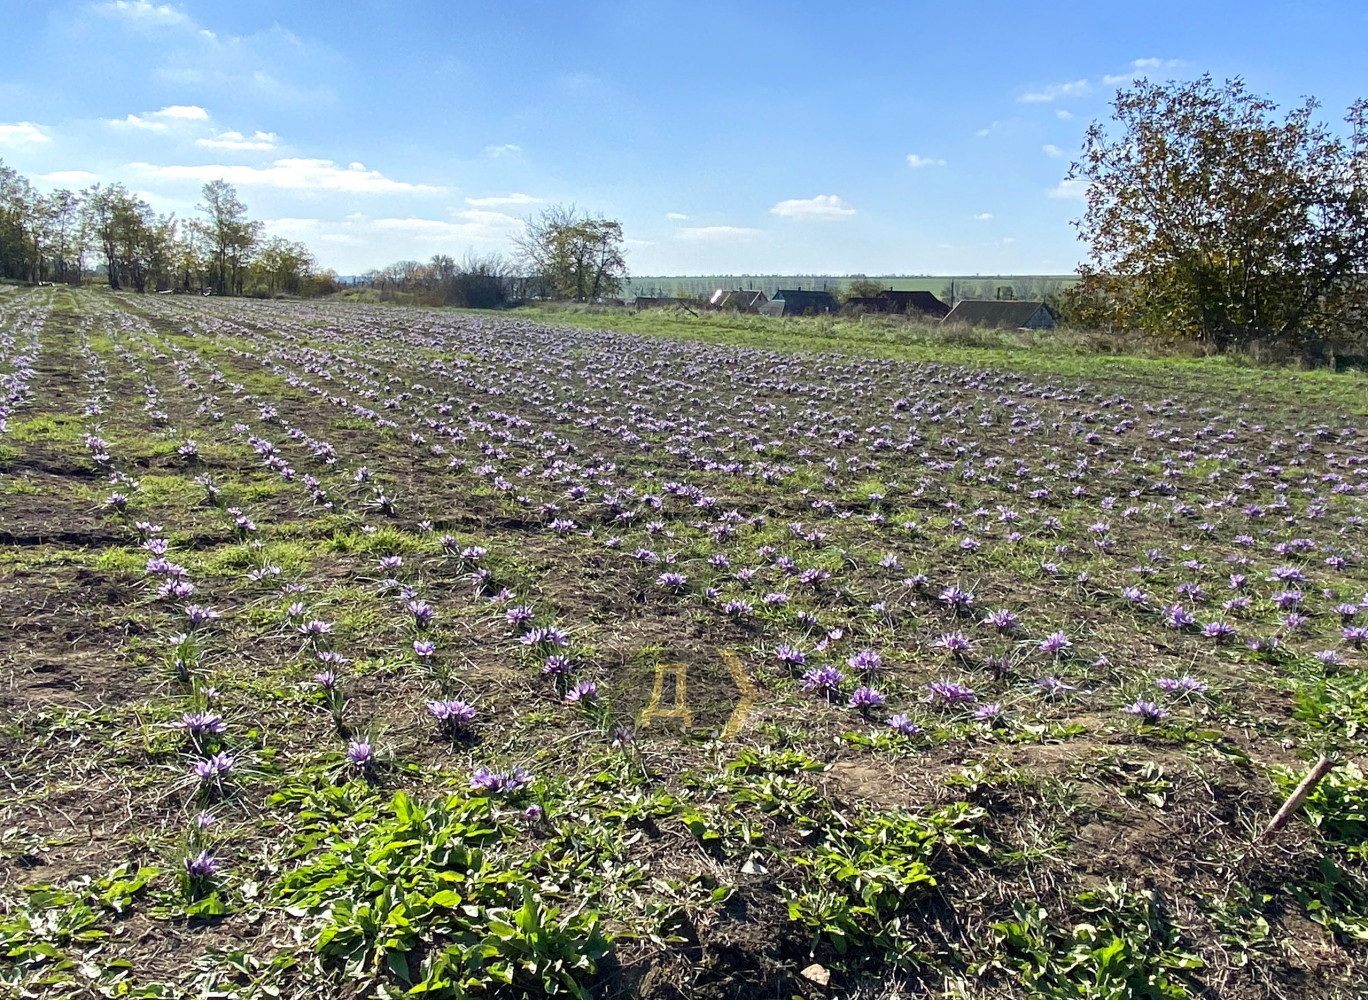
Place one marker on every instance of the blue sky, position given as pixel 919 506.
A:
pixel 737 137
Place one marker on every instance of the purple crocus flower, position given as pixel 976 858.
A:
pixel 452 712
pixel 945 692
pixel 585 692
pixel 204 865
pixel 824 680
pixel 865 661
pixel 789 656
pixel 866 698
pixel 672 581
pixel 360 755
pixel 1002 620
pixel 1146 711
pixel 1181 685
pixel 212 766
pixel 1220 631
pixel 199 724
pixel 424 648
pixel 1055 643
pixel 903 725
pixel 955 642
pixel 990 712
pixel 422 612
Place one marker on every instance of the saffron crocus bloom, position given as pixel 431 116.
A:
pixel 315 629
pixel 1181 685
pixel 485 780
pixel 1053 687
pixel 422 612
pixel 737 608
pixel 203 865
pixel 198 615
pixel 389 564
pixel 584 692
pixel 517 615
pixel 1055 643
pixel 1146 711
pixel 955 642
pixel 1002 620
pixel 865 660
pixel 452 713
pixel 988 713
pixel 360 755
pixel 199 724
pixel 204 820
pixel 903 725
pixel 672 581
pixel 213 766
pixel 1220 631
pixel 825 680
pixel 557 666
pixel 958 599
pixel 424 648
pixel 865 698
pixel 949 693
pixel 789 656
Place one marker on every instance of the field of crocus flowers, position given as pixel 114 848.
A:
pixel 347 651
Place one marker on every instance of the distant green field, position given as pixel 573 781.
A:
pixel 967 285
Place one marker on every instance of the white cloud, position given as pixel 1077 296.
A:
pixel 17 132
pixel 498 201
pixel 1114 78
pixel 157 121
pixel 913 160
pixel 1008 240
pixel 1052 150
pixel 676 216
pixel 717 234
pixel 142 12
pixel 1055 91
pixel 188 112
pixel 984 216
pixel 822 208
pixel 238 141
pixel 293 174
pixel 1063 115
pixel 494 152
pixel 69 177
pixel 1076 188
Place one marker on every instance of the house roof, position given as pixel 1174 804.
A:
pixel 798 300
pixel 736 298
pixel 1006 314
pixel 920 301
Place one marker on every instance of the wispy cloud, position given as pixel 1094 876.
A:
pixel 913 160
pixel 1052 150
pixel 1063 115
pixel 717 234
pixel 497 201
pixel 1076 188
pixel 676 216
pixel 142 12
pixel 507 149
pixel 1055 91
pixel 238 141
pixel 293 174
pixel 22 132
pixel 158 121
pixel 984 216
pixel 822 208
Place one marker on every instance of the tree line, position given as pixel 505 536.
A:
pixel 107 230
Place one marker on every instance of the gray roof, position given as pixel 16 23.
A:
pixel 1003 315
pixel 796 302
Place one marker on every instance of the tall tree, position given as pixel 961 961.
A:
pixel 1209 218
pixel 572 255
pixel 228 234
